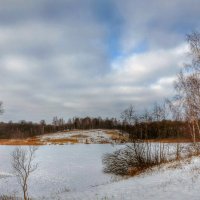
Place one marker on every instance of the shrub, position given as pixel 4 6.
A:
pixel 135 158
pixel 5 197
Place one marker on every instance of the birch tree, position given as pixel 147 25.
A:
pixel 1 107
pixel 23 166
pixel 187 86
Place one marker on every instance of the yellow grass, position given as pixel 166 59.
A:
pixel 111 132
pixel 174 140
pixel 79 136
pixel 30 141
pixel 114 135
pixel 37 141
pixel 63 141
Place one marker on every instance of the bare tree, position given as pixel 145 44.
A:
pixel 43 124
pixel 175 109
pixel 187 87
pixel 146 119
pixel 1 107
pixel 23 166
pixel 129 116
pixel 159 112
pixel 194 43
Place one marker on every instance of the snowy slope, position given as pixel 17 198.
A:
pixel 172 181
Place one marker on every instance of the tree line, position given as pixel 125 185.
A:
pixel 24 129
pixel 140 127
pixel 154 123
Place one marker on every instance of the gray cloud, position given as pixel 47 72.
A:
pixel 55 55
pixel 161 24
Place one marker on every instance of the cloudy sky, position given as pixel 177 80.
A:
pixel 90 57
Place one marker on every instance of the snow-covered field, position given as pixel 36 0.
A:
pixel 75 172
pixel 71 168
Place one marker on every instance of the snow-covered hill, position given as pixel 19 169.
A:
pixel 94 136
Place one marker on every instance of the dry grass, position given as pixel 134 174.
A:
pixel 63 141
pixel 173 140
pixel 104 142
pixel 79 136
pixel 116 136
pixel 111 132
pixel 132 171
pixel 37 141
pixel 175 165
pixel 30 141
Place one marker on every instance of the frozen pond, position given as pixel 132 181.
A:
pixel 62 168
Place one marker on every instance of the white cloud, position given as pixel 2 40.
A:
pixel 147 67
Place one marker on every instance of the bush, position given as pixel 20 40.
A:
pixel 134 158
pixel 5 197
pixel 193 150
